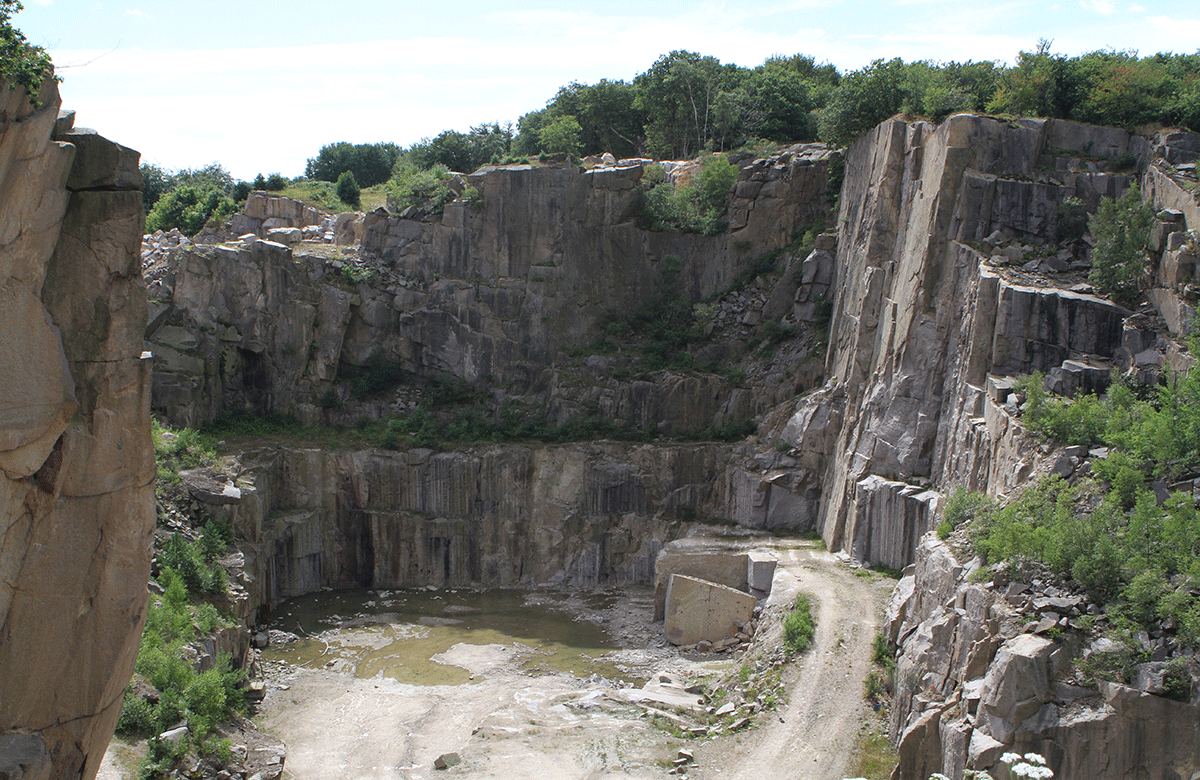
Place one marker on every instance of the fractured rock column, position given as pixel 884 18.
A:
pixel 76 459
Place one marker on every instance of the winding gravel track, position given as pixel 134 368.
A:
pixel 812 737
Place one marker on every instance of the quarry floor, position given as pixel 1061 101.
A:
pixel 505 723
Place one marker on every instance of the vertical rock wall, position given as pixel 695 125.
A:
pixel 582 515
pixel 76 460
pixel 932 305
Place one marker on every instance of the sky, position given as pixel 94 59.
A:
pixel 260 87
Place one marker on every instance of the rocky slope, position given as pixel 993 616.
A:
pixel 945 292
pixel 987 667
pixel 76 461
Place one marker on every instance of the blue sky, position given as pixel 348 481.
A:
pixel 260 87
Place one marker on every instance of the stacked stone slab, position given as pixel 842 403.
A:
pixel 698 610
pixel 705 590
pixel 76 460
pixel 264 211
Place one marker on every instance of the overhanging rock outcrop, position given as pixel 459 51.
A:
pixel 76 460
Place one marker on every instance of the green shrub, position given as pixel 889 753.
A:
pixel 875 687
pixel 1121 229
pixel 965 506
pixel 695 207
pixel 1083 420
pixel 798 626
pixel 215 537
pixel 427 188
pixel 474 198
pixel 883 654
pixel 21 63
pixel 1177 679
pixel 161 757
pixel 137 716
pixel 189 208
pixel 348 190
pixel 188 560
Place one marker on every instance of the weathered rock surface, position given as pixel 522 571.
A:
pixel 76 461
pixel 582 515
pixel 970 685
pixel 491 297
pixel 930 308
pixel 264 212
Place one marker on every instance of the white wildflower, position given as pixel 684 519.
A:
pixel 1010 758
pixel 1035 758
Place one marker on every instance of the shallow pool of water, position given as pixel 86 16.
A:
pixel 401 633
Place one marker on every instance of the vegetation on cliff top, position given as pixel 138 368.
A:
pixel 21 63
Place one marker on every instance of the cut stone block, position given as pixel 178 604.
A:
pixel 726 567
pixel 760 570
pixel 699 610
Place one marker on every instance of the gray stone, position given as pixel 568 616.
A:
pixel 102 164
pixel 446 760
pixel 760 571
pixel 697 610
pixel 24 757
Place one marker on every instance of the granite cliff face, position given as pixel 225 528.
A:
pixel 76 461
pixel 490 296
pixel 944 295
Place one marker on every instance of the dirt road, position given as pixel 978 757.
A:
pixel 813 736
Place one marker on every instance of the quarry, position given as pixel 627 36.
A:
pixel 478 527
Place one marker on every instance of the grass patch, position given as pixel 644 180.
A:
pixel 798 626
pixel 875 757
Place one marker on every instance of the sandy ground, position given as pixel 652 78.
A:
pixel 508 724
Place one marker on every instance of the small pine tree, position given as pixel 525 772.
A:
pixel 348 190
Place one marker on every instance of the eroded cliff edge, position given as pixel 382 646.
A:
pixel 76 460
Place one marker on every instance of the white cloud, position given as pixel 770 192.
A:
pixel 1137 8
pixel 1178 29
pixel 1103 7
pixel 269 109
pixel 138 13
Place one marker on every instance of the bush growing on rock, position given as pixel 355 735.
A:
pixel 189 208
pixel 427 188
pixel 21 63
pixel 695 207
pixel 1121 229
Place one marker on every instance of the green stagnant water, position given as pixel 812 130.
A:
pixel 397 633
